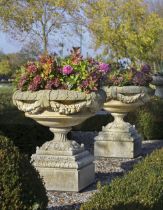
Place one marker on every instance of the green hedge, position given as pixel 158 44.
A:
pixel 6 99
pixel 94 123
pixel 24 132
pixel 21 187
pixel 26 136
pixel 149 119
pixel 140 189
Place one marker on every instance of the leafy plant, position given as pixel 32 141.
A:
pixel 124 28
pixel 140 189
pixel 149 119
pixel 123 74
pixel 72 73
pixel 21 187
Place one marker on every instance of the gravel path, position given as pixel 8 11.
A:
pixel 106 169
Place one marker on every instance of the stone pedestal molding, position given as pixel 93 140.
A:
pixel 158 82
pixel 119 138
pixel 63 164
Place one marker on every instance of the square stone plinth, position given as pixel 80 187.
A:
pixel 117 149
pixel 64 179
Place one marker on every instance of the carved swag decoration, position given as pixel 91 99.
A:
pixel 127 94
pixel 62 101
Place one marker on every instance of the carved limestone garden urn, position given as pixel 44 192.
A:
pixel 158 82
pixel 64 164
pixel 120 138
pixel 61 93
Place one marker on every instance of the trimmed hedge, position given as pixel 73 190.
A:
pixel 149 119
pixel 26 135
pixel 140 189
pixel 94 123
pixel 21 187
pixel 5 98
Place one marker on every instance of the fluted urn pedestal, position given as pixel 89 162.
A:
pixel 120 139
pixel 64 164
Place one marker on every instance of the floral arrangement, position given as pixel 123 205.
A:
pixel 72 73
pixel 122 73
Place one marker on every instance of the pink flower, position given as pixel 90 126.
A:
pixel 31 67
pixel 67 70
pixel 104 67
pixel 37 79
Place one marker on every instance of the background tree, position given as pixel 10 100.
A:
pixel 31 50
pixel 156 57
pixel 123 28
pixel 11 62
pixel 5 69
pixel 38 19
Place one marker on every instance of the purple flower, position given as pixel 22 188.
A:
pixel 104 67
pixel 67 70
pixel 85 83
pixel 146 69
pixel 52 84
pixel 139 79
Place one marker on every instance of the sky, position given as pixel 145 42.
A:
pixel 9 45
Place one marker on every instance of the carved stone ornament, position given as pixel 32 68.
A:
pixel 158 82
pixel 62 101
pixel 128 94
pixel 63 163
pixel 119 138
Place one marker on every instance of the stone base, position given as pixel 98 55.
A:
pixel 64 179
pixel 117 149
pixel 64 170
pixel 118 139
pixel 159 91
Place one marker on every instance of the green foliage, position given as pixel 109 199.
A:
pixel 5 68
pixel 140 189
pixel 150 119
pixel 40 19
pixel 5 98
pixel 156 58
pixel 9 63
pixel 94 123
pixel 124 28
pixel 21 187
pixel 52 73
pixel 25 134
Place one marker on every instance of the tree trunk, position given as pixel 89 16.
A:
pixel 45 40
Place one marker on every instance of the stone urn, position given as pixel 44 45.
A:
pixel 158 82
pixel 120 139
pixel 64 164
